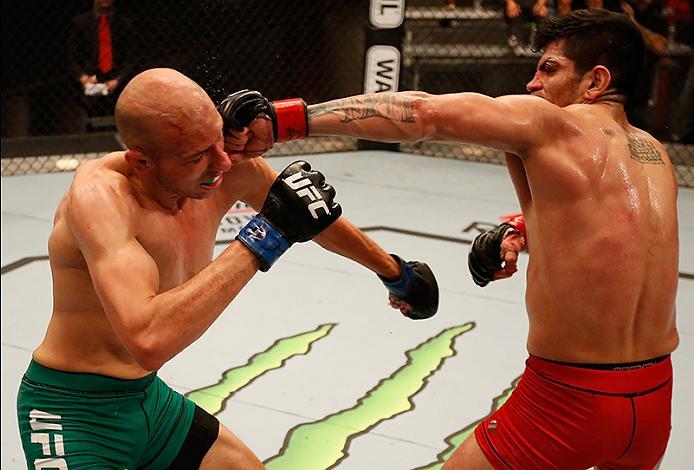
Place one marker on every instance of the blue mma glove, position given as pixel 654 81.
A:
pixel 417 286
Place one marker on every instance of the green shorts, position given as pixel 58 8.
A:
pixel 76 420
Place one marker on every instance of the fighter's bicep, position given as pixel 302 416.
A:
pixel 122 271
pixel 98 218
pixel 511 123
pixel 258 177
pixel 125 278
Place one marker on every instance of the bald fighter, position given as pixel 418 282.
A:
pixel 134 282
pixel 600 225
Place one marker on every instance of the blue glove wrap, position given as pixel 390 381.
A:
pixel 264 241
pixel 401 286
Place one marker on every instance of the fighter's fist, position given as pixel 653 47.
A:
pixel 300 203
pixel 288 117
pixel 240 108
pixel 494 253
pixel 298 207
pixel 415 293
pixel 253 141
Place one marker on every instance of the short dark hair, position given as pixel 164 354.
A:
pixel 598 37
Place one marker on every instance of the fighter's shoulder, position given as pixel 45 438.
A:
pixel 246 177
pixel 641 134
pixel 584 117
pixel 530 102
pixel 582 111
pixel 642 142
pixel 99 186
pixel 252 167
pixel 539 111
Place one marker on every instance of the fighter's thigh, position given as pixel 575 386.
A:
pixel 63 430
pixel 468 456
pixel 229 452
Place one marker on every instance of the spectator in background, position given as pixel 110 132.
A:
pixel 100 54
pixel 646 14
pixel 521 17
pixel 654 89
pixel 683 118
pixel 683 121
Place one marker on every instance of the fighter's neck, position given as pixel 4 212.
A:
pixel 611 95
pixel 158 196
pixel 613 104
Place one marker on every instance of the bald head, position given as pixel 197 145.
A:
pixel 159 108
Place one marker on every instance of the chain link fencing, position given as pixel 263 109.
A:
pixel 309 48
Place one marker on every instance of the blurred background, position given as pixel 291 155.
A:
pixel 64 63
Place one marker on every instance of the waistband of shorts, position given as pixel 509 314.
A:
pixel 37 374
pixel 640 379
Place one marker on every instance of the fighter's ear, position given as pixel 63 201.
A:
pixel 138 161
pixel 600 81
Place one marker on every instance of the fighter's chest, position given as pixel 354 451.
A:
pixel 181 245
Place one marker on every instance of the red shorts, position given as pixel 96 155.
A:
pixel 571 417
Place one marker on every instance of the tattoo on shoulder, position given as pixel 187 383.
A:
pixel 643 151
pixel 383 106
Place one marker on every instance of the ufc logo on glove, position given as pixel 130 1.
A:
pixel 304 188
pixel 284 218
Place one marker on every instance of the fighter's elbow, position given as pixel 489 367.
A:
pixel 148 352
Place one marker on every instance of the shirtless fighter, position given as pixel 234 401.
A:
pixel 134 282
pixel 599 201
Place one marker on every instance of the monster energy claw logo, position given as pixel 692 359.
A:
pixel 325 442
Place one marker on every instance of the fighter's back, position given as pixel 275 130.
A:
pixel 608 226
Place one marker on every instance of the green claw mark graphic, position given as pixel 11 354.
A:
pixel 323 444
pixel 455 439
pixel 213 398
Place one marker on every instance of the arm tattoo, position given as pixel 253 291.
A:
pixel 643 151
pixel 384 106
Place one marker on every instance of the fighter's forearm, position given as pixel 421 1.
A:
pixel 346 240
pixel 390 117
pixel 179 316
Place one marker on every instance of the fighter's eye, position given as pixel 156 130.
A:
pixel 547 67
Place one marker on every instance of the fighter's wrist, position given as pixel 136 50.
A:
pixel 392 269
pixel 402 283
pixel 291 120
pixel 264 241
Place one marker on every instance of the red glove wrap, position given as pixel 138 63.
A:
pixel 517 221
pixel 292 119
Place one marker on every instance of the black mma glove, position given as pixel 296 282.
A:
pixel 289 117
pixel 298 207
pixel 417 286
pixel 485 254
